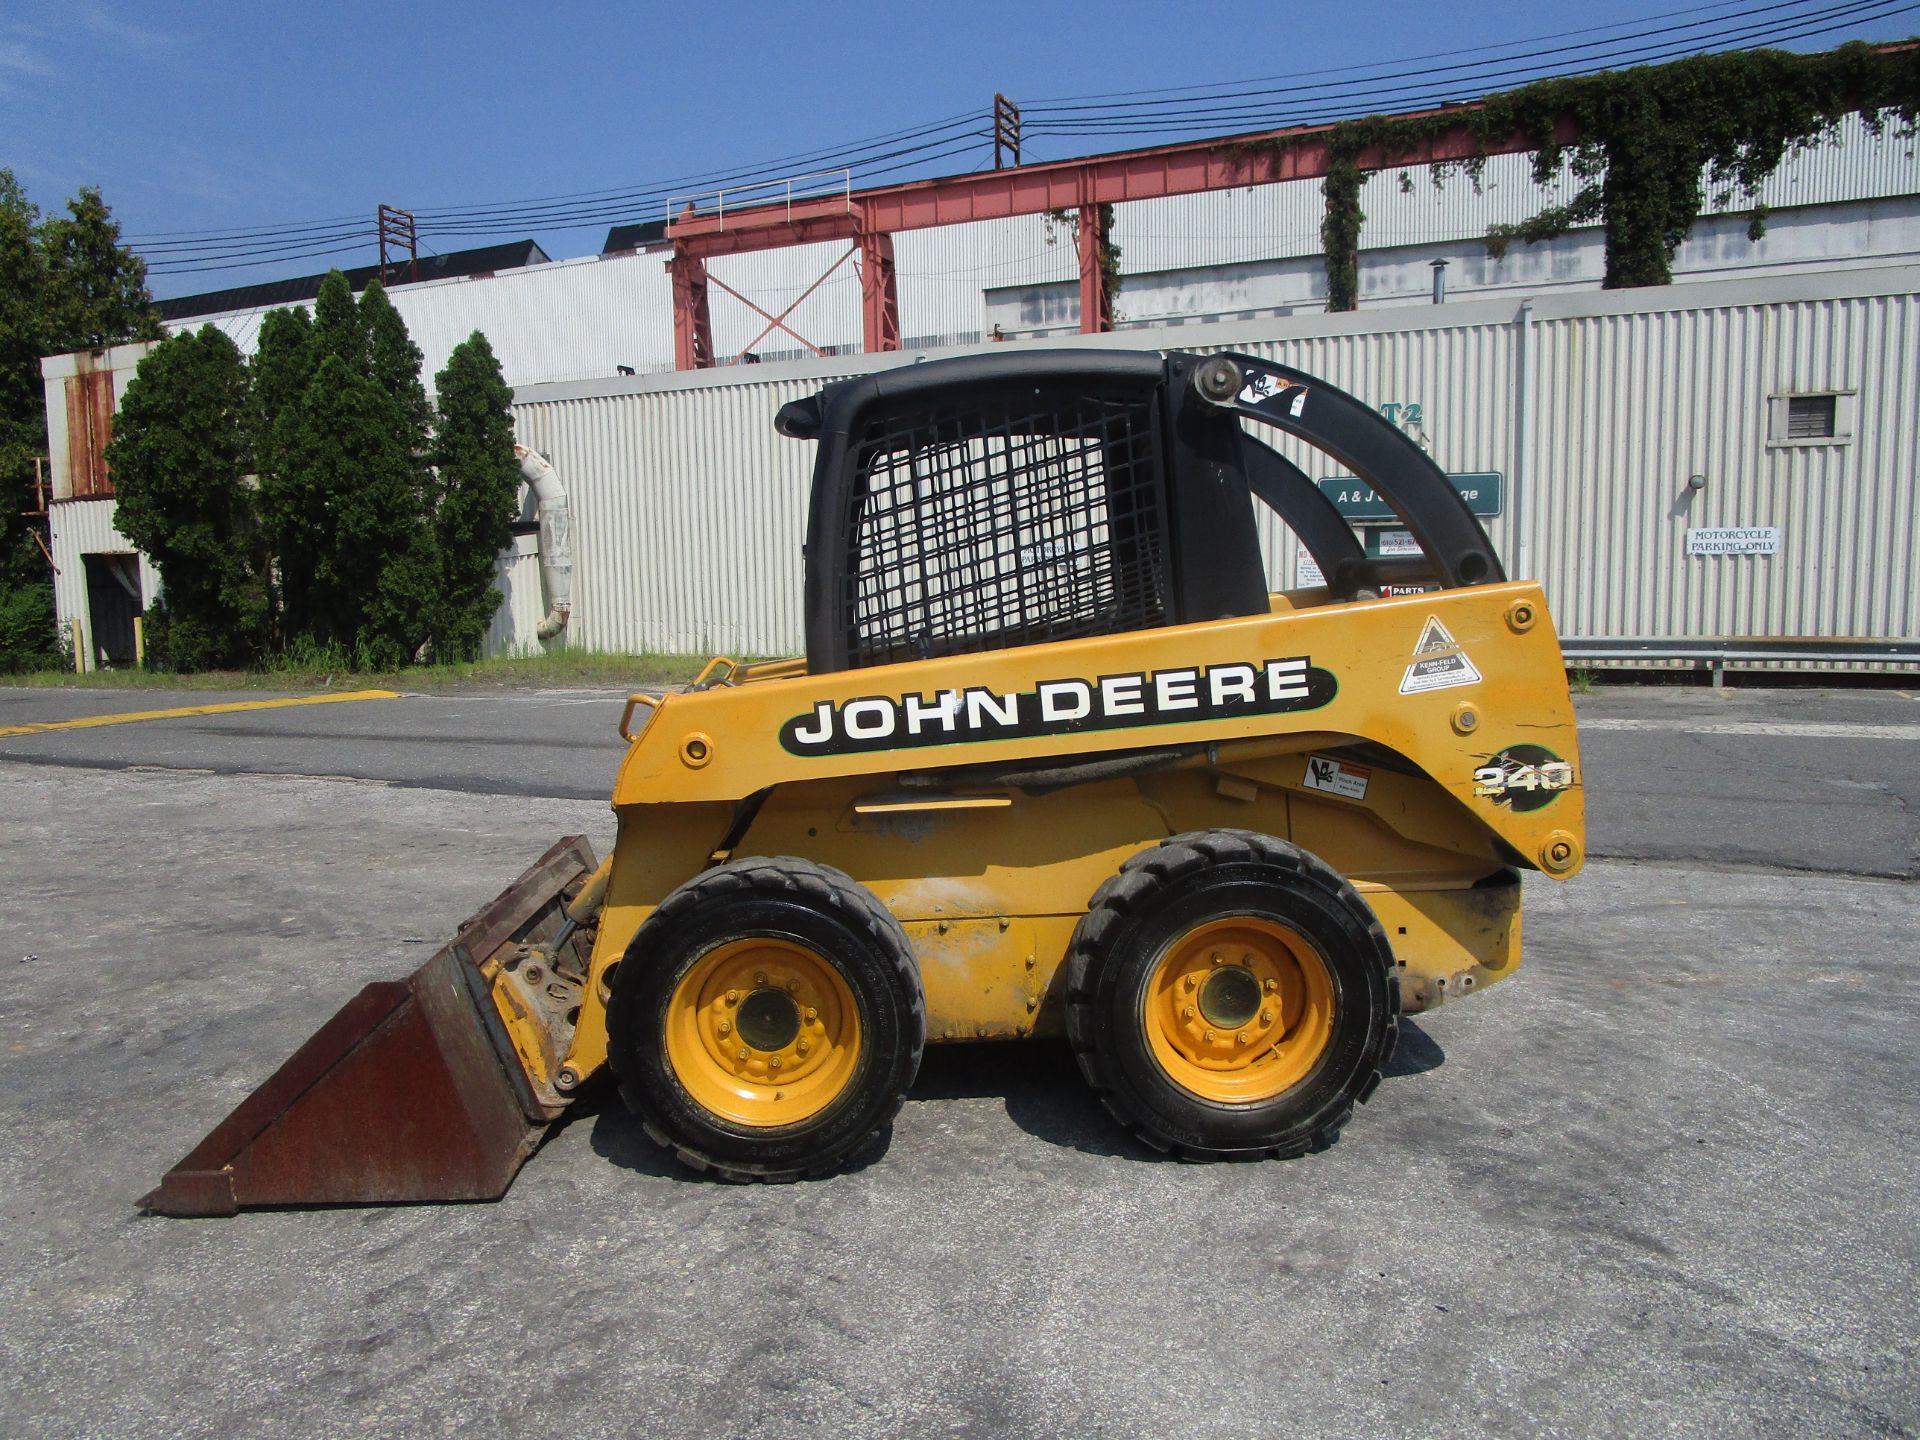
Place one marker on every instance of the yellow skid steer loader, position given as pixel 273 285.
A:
pixel 1055 761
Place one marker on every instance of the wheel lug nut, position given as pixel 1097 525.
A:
pixel 726 1027
pixel 1191 982
pixel 1247 959
pixel 733 997
pixel 1241 1038
pixel 743 1052
pixel 774 1063
pixel 812 1014
pixel 1209 1037
pixel 802 1047
pixel 1187 1014
pixel 1216 957
pixel 1272 985
pixel 1265 1018
pixel 759 977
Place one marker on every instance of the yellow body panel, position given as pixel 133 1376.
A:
pixel 1456 782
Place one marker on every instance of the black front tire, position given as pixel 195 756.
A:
pixel 808 910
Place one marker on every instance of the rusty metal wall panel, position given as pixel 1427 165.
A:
pixel 83 390
pixel 89 411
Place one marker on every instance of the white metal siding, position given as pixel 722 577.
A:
pixel 1225 227
pixel 688 516
pixel 691 510
pixel 580 319
pixel 523 604
pixel 1631 406
pixel 81 528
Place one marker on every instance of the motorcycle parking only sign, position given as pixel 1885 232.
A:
pixel 1754 540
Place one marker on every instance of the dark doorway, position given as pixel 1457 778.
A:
pixel 113 602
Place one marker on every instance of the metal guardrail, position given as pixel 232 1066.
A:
pixel 1718 652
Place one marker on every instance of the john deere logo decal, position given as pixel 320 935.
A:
pixel 1059 707
pixel 1523 777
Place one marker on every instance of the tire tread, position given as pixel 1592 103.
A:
pixel 1146 872
pixel 832 890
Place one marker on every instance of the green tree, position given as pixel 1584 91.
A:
pixel 341 430
pixel 28 639
pixel 66 283
pixel 359 518
pixel 180 465
pixel 401 613
pixel 293 518
pixel 393 360
pixel 479 481
pixel 96 287
pixel 338 328
pixel 23 276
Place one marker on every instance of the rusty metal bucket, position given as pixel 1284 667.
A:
pixel 412 1092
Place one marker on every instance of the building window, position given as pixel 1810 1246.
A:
pixel 1811 417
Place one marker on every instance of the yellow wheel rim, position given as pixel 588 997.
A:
pixel 763 1032
pixel 1238 1009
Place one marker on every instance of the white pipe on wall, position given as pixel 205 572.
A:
pixel 556 539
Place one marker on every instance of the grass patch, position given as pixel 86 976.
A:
pixel 560 668
pixel 1582 681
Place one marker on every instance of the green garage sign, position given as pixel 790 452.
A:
pixel 1483 490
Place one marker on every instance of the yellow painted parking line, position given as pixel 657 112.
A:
pixel 87 722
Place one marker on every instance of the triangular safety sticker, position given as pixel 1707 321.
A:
pixel 1434 637
pixel 1438 662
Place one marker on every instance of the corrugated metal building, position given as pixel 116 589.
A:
pixel 1618 423
pixel 1243 254
pixel 100 580
pixel 1596 410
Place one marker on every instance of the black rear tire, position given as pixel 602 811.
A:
pixel 1127 1030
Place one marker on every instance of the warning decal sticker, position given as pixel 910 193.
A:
pixel 1438 662
pixel 1337 777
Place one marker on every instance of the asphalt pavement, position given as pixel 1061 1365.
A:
pixel 1787 779
pixel 1659 1183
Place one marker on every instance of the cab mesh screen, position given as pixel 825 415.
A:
pixel 1008 524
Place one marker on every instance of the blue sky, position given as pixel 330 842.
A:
pixel 217 116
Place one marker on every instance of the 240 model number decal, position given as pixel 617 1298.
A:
pixel 1523 777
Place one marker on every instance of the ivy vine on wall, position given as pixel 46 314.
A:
pixel 1647 145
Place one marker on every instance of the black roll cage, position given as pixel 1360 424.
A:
pixel 1210 471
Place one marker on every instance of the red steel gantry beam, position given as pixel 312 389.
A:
pixel 872 217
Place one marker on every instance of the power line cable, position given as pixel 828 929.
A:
pixel 184 252
pixel 1795 27
pixel 698 178
pixel 1067 101
pixel 626 209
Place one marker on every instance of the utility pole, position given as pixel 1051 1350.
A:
pixel 1006 130
pixel 398 230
